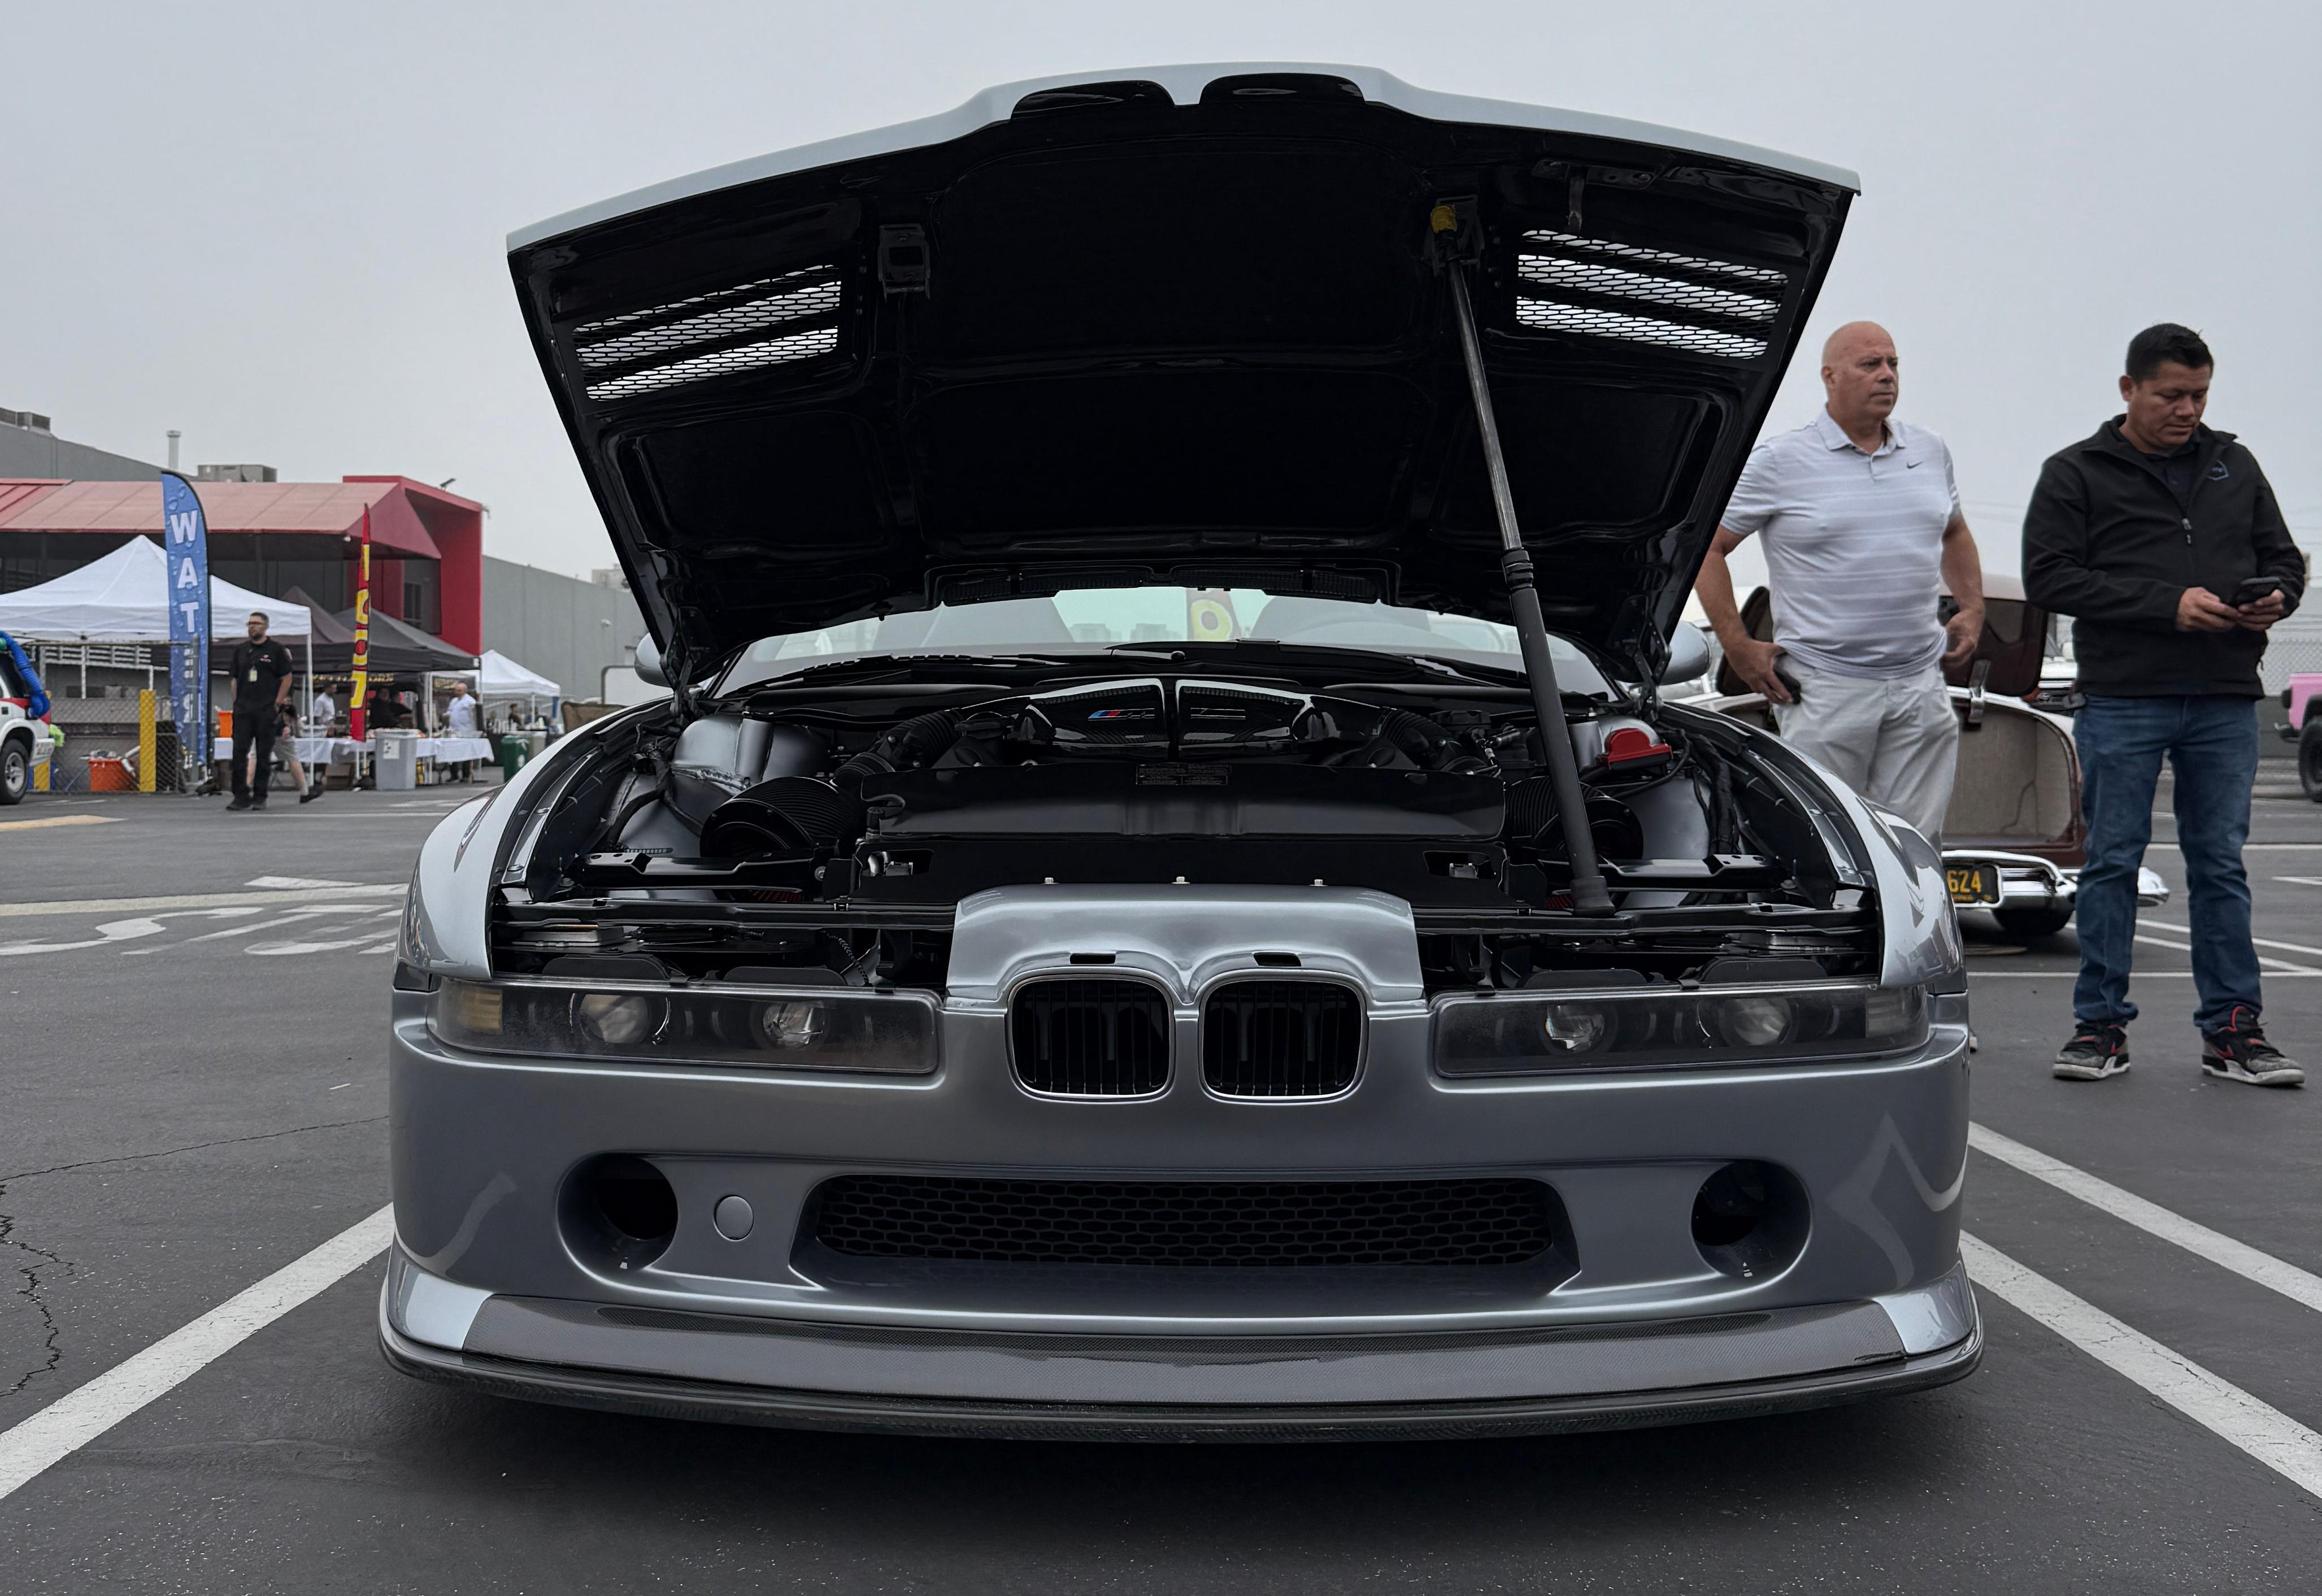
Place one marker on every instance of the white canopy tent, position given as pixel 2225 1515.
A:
pixel 503 678
pixel 124 597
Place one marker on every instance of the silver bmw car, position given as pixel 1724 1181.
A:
pixel 1163 900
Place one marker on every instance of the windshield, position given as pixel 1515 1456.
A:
pixel 1092 620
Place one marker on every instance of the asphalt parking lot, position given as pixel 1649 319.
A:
pixel 191 1006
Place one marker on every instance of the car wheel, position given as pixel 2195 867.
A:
pixel 2309 758
pixel 2033 922
pixel 16 772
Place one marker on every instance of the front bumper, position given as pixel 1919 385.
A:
pixel 489 1287
pixel 964 1382
pixel 2028 881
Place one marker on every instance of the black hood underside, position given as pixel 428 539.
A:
pixel 1118 338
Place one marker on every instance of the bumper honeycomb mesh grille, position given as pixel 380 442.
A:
pixel 1186 1225
pixel 1281 1039
pixel 1090 1038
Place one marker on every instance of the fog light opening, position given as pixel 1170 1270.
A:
pixel 1750 1220
pixel 619 1212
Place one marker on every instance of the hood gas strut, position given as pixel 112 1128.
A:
pixel 1588 894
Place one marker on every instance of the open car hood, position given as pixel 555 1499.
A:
pixel 1180 326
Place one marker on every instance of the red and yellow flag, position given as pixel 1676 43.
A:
pixel 362 633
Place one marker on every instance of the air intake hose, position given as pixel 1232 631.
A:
pixel 1427 743
pixel 805 814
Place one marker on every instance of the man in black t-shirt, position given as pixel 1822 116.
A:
pixel 262 682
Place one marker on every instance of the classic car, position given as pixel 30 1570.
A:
pixel 2013 838
pixel 1163 900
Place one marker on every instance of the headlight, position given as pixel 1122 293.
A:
pixel 618 1019
pixel 872 1033
pixel 1574 1028
pixel 787 1027
pixel 1516 1034
pixel 1756 1021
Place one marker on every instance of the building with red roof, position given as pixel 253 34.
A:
pixel 427 546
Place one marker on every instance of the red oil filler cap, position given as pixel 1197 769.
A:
pixel 1630 748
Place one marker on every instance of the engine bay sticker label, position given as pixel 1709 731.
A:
pixel 1179 775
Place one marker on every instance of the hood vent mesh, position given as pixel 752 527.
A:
pixel 1594 287
pixel 770 322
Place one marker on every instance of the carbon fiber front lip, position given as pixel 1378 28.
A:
pixel 662 1398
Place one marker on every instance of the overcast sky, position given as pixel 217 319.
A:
pixel 280 228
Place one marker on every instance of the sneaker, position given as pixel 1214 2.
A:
pixel 312 793
pixel 2095 1052
pixel 257 803
pixel 240 803
pixel 2240 1051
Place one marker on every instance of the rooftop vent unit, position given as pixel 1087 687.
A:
pixel 29 420
pixel 243 473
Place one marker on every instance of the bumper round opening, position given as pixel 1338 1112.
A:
pixel 1750 1219
pixel 618 1211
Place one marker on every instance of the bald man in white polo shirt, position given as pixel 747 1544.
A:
pixel 1862 529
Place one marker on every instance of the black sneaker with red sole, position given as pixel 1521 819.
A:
pixel 2238 1051
pixel 2094 1052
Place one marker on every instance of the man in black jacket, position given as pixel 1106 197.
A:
pixel 2163 538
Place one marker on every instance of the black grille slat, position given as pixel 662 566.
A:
pixel 1281 1039
pixel 1091 1038
pixel 1477 1222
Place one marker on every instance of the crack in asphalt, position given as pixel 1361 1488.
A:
pixel 266 1135
pixel 51 1343
pixel 51 1333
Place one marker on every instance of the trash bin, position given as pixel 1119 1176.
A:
pixel 513 753
pixel 536 744
pixel 395 760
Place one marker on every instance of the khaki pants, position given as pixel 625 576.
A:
pixel 1895 741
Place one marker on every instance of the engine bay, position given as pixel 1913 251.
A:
pixel 829 835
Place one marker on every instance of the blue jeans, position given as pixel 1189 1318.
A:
pixel 2212 747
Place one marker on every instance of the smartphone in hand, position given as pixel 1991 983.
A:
pixel 2253 589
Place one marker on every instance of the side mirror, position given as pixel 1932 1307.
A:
pixel 1688 656
pixel 649 662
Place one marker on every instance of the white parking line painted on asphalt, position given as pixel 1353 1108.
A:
pixel 2068 972
pixel 133 905
pixel 2150 1217
pixel 2281 965
pixel 2264 1432
pixel 2287 947
pixel 79 1417
pixel 2254 847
